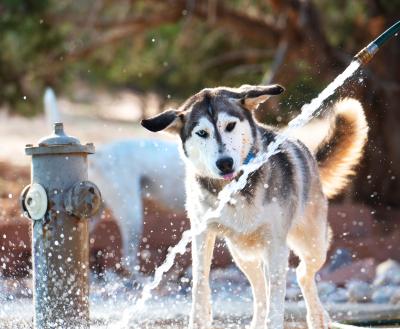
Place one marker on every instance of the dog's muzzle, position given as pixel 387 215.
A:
pixel 225 165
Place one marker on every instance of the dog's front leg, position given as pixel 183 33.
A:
pixel 202 250
pixel 276 261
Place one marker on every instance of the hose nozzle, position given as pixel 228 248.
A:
pixel 366 54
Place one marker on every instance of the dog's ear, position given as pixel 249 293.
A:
pixel 169 121
pixel 252 96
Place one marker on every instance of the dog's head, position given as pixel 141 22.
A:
pixel 216 127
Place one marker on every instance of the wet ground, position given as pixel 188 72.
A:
pixel 170 306
pixel 171 312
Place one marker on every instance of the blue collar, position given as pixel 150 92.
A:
pixel 250 156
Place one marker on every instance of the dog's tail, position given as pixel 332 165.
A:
pixel 50 107
pixel 342 149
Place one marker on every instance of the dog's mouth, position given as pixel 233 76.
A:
pixel 229 176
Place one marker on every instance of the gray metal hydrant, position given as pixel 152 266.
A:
pixel 59 200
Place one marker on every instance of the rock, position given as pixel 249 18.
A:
pixel 293 294
pixel 291 278
pixel 338 296
pixel 388 273
pixel 188 272
pixel 325 289
pixel 395 298
pixel 341 257
pixel 358 291
pixel 362 270
pixel 383 294
pixel 229 274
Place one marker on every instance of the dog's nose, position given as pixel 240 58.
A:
pixel 225 165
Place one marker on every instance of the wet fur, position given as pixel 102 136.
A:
pixel 282 206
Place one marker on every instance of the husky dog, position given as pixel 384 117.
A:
pixel 126 171
pixel 283 205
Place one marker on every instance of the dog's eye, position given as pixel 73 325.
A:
pixel 202 133
pixel 230 126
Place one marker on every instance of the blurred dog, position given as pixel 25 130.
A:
pixel 126 171
pixel 282 206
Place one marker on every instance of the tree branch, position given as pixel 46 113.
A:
pixel 248 55
pixel 251 27
pixel 138 25
pixel 306 28
pixel 255 28
pixel 280 55
pixel 126 29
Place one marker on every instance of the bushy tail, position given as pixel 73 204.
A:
pixel 342 149
pixel 50 108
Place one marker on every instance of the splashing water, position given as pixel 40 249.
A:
pixel 308 111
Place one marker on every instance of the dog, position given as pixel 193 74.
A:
pixel 283 204
pixel 126 171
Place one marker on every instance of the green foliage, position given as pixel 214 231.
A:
pixel 25 42
pixel 39 39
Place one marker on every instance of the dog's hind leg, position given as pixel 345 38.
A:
pixel 254 271
pixel 202 251
pixel 125 200
pixel 276 262
pixel 310 243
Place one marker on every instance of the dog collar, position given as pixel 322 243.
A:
pixel 250 156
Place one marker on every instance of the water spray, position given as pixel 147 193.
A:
pixel 308 111
pixel 366 54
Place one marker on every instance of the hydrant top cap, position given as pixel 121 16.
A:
pixel 59 143
pixel 58 137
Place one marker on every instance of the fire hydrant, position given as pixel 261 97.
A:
pixel 59 201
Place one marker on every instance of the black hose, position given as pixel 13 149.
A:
pixel 366 54
pixel 391 31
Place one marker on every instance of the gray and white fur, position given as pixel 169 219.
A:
pixel 283 205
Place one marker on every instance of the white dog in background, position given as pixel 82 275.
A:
pixel 125 172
